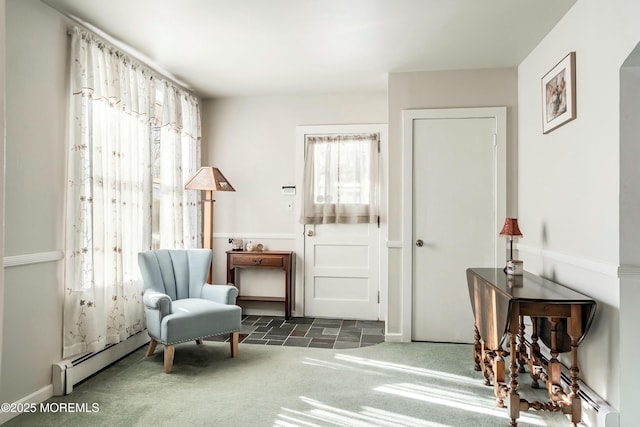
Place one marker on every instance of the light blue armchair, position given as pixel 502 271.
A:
pixel 180 306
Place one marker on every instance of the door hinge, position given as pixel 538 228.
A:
pixel 378 221
pixel 495 139
pixel 378 297
pixel 378 146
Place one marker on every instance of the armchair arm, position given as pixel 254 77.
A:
pixel 154 300
pixel 156 306
pixel 223 294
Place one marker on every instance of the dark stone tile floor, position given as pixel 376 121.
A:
pixel 309 332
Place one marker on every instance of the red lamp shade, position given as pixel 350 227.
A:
pixel 510 228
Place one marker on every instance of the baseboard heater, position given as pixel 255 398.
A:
pixel 596 412
pixel 69 372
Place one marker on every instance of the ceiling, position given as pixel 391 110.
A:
pixel 220 48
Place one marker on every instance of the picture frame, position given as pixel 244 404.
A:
pixel 559 94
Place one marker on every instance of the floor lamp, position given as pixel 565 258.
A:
pixel 208 179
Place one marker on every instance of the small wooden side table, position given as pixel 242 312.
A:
pixel 282 260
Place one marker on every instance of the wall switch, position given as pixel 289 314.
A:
pixel 288 190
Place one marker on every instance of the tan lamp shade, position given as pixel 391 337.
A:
pixel 208 178
pixel 510 228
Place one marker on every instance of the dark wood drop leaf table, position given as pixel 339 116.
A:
pixel 560 317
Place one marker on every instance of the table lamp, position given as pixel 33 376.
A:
pixel 208 179
pixel 510 229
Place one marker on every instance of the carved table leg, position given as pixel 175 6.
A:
pixel 486 365
pixel 575 332
pixel 514 396
pixel 554 367
pixel 477 349
pixel 534 354
pixel 522 349
pixel 499 383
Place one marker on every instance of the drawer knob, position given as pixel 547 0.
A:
pixel 257 261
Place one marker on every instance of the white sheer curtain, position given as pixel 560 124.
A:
pixel 340 179
pixel 179 150
pixel 109 194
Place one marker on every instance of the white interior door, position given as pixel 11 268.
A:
pixel 341 271
pixel 455 219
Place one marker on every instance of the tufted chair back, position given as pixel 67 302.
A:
pixel 179 273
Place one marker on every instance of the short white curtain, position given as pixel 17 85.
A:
pixel 341 179
pixel 109 193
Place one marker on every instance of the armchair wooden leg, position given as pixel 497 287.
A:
pixel 199 341
pixel 152 347
pixel 234 343
pixel 169 351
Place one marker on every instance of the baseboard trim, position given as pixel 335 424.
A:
pixel 393 337
pixel 67 373
pixel 34 258
pixel 36 397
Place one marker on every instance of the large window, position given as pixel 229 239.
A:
pixel 133 141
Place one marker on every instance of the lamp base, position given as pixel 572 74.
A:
pixel 514 267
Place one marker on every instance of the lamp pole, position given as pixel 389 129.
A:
pixel 207 238
pixel 510 247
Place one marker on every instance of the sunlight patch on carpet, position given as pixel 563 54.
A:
pixel 337 366
pixel 326 414
pixel 433 395
pixel 410 370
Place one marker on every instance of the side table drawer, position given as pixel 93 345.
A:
pixel 257 260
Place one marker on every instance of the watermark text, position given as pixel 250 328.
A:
pixel 50 407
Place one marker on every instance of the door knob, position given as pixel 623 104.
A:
pixel 310 233
pixel 419 243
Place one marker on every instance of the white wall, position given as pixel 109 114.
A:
pixel 441 89
pixel 630 234
pixel 36 61
pixel 252 140
pixel 569 179
pixel 2 149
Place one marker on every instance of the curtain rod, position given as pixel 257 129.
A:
pixel 128 50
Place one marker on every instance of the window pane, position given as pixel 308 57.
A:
pixel 340 179
pixel 342 172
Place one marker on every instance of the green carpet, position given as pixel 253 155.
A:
pixel 388 384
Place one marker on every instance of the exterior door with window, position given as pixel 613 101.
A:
pixel 340 198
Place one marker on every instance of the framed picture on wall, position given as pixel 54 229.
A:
pixel 559 94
